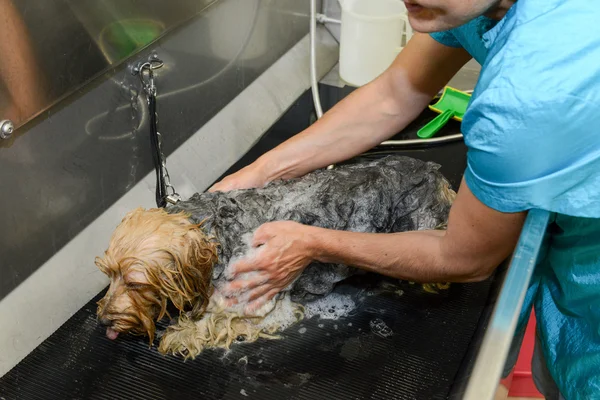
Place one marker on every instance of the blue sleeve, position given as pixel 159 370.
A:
pixel 533 148
pixel 447 38
pixel 532 128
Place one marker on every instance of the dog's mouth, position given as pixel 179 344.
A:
pixel 120 327
pixel 111 333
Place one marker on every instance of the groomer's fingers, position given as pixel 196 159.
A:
pixel 230 301
pixel 217 187
pixel 240 267
pixel 261 301
pixel 262 234
pixel 245 265
pixel 257 242
pixel 272 293
pixel 238 286
pixel 221 186
pixel 258 292
pixel 247 297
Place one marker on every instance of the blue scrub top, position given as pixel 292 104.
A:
pixel 533 134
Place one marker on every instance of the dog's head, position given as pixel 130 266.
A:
pixel 154 257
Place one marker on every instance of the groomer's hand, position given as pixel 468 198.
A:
pixel 248 177
pixel 283 250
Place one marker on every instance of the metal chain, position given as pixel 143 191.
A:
pixel 146 73
pixel 174 196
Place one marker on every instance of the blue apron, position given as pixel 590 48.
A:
pixel 533 135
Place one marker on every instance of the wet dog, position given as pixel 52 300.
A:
pixel 180 255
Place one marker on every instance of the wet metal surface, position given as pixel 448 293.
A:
pixel 63 169
pixel 52 48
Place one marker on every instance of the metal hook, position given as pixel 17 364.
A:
pixel 147 78
pixel 145 71
pixel 153 63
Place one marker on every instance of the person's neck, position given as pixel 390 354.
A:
pixel 500 9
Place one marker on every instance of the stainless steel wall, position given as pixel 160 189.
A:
pixel 64 168
pixel 51 48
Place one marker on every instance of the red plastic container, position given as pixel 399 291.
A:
pixel 521 382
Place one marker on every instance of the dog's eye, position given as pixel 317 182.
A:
pixel 135 285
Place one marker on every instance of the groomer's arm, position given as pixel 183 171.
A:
pixel 367 117
pixel 477 240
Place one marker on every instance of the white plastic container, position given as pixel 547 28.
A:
pixel 373 32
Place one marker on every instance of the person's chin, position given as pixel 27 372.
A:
pixel 428 23
pixel 426 20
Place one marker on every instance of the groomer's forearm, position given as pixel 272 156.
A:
pixel 419 256
pixel 361 121
pixel 371 114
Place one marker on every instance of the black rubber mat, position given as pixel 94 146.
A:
pixel 399 343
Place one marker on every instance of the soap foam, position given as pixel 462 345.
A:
pixel 248 253
pixel 283 315
pixel 333 306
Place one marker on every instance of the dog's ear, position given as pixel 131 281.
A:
pixel 184 275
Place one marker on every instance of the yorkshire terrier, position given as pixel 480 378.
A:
pixel 180 255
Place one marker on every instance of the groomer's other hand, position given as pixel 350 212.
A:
pixel 248 177
pixel 284 249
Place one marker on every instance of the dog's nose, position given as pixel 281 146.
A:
pixel 104 321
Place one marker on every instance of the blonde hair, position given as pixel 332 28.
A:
pixel 174 255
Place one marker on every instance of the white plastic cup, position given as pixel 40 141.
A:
pixel 372 34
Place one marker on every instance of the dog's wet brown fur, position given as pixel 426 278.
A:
pixel 155 257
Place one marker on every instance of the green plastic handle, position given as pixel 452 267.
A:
pixel 435 125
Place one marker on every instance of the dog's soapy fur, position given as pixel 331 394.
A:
pixel 392 194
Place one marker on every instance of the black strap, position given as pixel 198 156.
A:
pixel 161 187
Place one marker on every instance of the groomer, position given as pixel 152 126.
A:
pixel 533 136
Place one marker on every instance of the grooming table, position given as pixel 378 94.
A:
pixel 400 342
